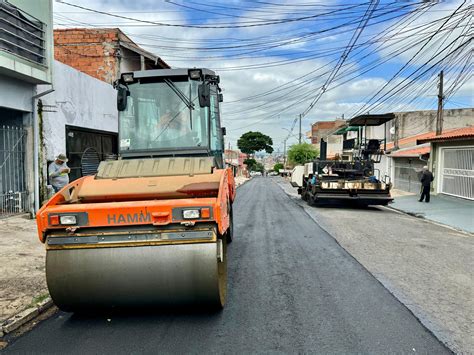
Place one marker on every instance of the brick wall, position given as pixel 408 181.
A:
pixel 91 51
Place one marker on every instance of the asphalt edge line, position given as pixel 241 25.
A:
pixel 419 320
pixel 16 321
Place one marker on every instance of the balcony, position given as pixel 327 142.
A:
pixel 21 34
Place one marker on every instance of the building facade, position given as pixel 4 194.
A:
pixel 26 54
pixel 452 162
pixel 79 115
pixel 102 53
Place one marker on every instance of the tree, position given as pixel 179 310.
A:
pixel 302 153
pixel 252 142
pixel 251 164
pixel 277 167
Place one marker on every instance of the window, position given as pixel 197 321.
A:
pixel 158 118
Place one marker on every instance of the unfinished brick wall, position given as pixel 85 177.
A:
pixel 91 51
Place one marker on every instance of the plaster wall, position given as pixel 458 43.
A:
pixel 418 122
pixel 16 94
pixel 78 100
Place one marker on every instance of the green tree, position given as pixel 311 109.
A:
pixel 302 153
pixel 251 164
pixel 277 167
pixel 260 167
pixel 252 142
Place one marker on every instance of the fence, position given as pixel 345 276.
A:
pixel 13 189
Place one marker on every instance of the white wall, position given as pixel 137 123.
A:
pixel 79 100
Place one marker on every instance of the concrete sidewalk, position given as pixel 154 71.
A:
pixel 451 211
pixel 22 277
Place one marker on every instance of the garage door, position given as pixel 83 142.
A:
pixel 458 172
pixel 407 174
pixel 78 140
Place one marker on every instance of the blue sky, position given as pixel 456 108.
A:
pixel 272 73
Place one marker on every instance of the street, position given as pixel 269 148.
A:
pixel 292 288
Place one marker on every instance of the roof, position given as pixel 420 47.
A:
pixel 120 37
pixel 412 152
pixel 347 129
pixel 371 120
pixel 416 139
pixel 327 124
pixel 451 135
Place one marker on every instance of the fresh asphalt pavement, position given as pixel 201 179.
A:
pixel 292 288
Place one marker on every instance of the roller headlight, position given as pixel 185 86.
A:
pixel 68 220
pixel 191 214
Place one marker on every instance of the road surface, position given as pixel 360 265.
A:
pixel 292 288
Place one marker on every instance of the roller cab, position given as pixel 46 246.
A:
pixel 149 229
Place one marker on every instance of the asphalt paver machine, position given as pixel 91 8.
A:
pixel 150 228
pixel 351 177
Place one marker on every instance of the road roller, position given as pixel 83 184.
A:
pixel 151 227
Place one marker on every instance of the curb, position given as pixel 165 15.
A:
pixel 16 321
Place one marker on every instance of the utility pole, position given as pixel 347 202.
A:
pixel 299 137
pixel 439 116
pixel 284 154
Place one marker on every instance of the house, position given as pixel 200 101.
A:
pixel 452 162
pixel 405 157
pixel 103 53
pixel 26 56
pixel 79 117
pixel 323 130
pixel 235 159
pixel 80 113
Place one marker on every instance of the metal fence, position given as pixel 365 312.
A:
pixel 13 189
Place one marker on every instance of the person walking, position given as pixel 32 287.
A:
pixel 426 180
pixel 58 172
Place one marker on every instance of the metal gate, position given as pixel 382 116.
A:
pixel 13 190
pixel 407 174
pixel 457 174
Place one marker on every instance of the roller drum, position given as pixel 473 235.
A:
pixel 159 275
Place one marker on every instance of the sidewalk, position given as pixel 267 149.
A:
pixel 451 211
pixel 22 277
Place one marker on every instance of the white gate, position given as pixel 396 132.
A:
pixel 457 174
pixel 13 190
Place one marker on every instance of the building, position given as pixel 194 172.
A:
pixel 235 159
pixel 26 56
pixel 102 53
pixel 452 162
pixel 79 115
pixel 323 130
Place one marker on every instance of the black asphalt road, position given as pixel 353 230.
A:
pixel 292 288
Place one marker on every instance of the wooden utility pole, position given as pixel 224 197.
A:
pixel 439 116
pixel 299 137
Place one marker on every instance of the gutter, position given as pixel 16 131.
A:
pixel 36 143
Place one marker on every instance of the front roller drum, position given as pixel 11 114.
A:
pixel 136 276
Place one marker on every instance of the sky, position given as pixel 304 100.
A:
pixel 323 59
